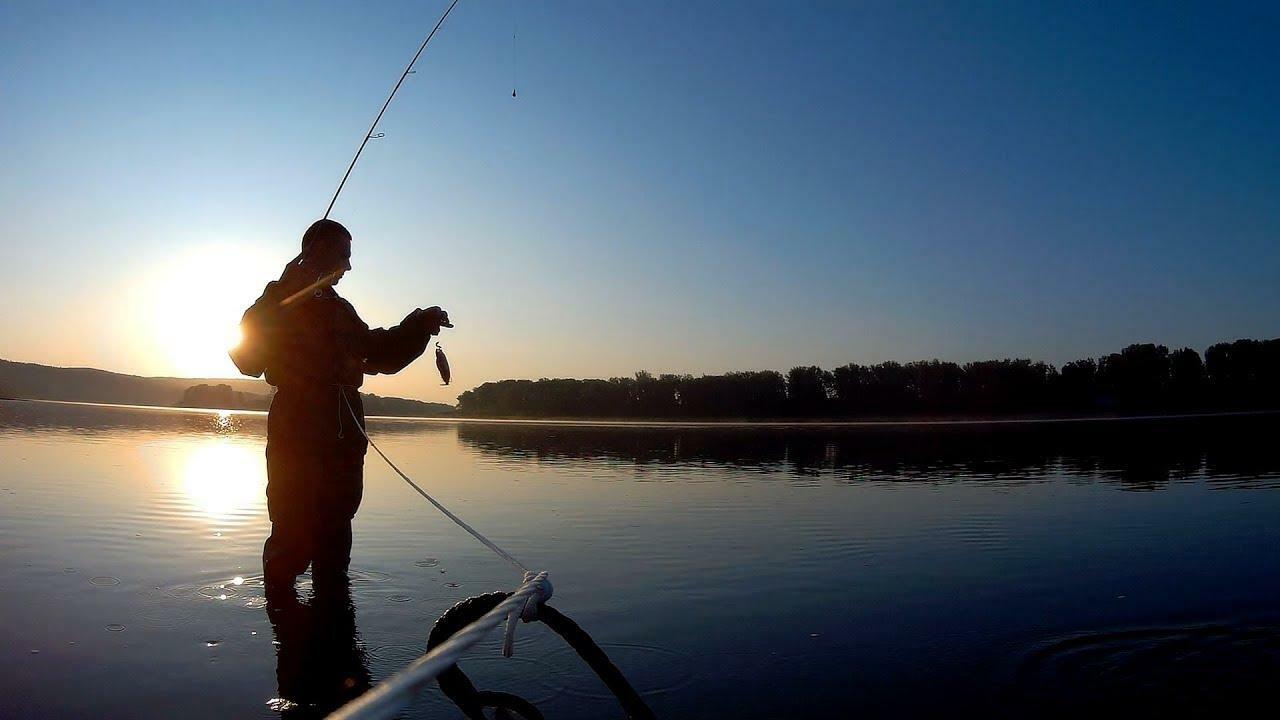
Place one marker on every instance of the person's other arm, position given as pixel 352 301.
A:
pixel 390 350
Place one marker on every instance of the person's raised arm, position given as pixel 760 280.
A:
pixel 390 350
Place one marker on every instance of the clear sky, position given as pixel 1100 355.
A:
pixel 688 187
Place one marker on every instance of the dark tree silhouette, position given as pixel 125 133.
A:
pixel 935 386
pixel 1186 378
pixel 1007 386
pixel 1136 377
pixel 808 389
pixel 1244 374
pixel 1078 384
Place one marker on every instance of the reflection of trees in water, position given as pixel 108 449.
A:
pixel 1140 454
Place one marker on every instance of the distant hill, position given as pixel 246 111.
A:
pixel 403 407
pixel 43 382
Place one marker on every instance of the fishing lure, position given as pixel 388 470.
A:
pixel 442 364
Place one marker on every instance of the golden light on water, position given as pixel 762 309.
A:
pixel 222 479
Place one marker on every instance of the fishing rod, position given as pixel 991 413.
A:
pixel 326 280
pixel 323 282
pixel 371 135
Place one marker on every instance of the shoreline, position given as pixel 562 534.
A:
pixel 863 423
pixel 789 423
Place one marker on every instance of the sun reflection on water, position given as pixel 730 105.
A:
pixel 222 479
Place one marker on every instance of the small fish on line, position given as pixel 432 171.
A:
pixel 442 364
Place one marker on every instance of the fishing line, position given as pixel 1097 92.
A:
pixel 515 24
pixel 457 520
pixel 408 70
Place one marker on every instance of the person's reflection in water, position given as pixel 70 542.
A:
pixel 319 662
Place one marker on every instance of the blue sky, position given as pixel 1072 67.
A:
pixel 689 187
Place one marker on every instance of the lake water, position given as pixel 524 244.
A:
pixel 974 570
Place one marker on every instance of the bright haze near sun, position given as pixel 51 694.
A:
pixel 691 187
pixel 189 325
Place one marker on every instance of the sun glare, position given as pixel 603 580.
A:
pixel 195 302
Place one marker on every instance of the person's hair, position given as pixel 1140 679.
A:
pixel 324 231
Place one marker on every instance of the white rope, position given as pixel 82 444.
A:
pixel 461 523
pixel 392 694
pixel 395 692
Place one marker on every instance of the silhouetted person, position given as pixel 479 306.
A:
pixel 319 663
pixel 316 350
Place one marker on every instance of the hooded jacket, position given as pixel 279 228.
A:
pixel 319 341
pixel 316 352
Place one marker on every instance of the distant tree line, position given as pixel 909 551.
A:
pixel 1239 375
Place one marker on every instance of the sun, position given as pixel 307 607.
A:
pixel 196 335
pixel 193 308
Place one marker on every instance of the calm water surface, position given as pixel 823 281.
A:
pixel 730 573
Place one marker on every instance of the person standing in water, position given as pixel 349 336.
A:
pixel 313 347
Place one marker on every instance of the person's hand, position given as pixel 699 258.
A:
pixel 294 277
pixel 433 318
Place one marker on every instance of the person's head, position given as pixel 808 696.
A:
pixel 326 246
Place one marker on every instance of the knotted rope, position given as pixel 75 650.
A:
pixel 392 694
pixel 396 691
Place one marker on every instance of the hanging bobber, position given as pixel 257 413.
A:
pixel 442 364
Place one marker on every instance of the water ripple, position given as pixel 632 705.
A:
pixel 1180 668
pixel 652 670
